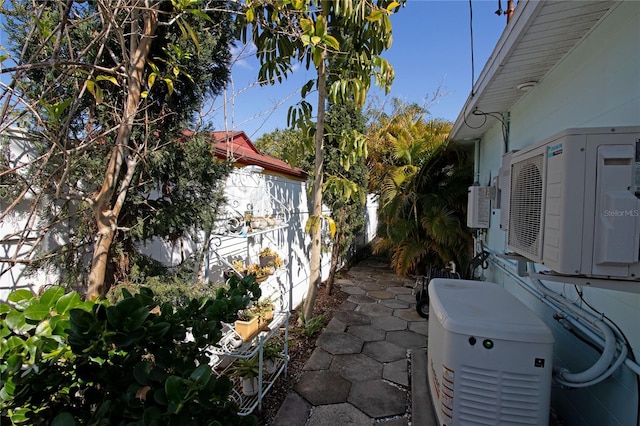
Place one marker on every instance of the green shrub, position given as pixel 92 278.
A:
pixel 176 287
pixel 65 361
pixel 166 290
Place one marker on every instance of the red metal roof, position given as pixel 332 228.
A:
pixel 237 147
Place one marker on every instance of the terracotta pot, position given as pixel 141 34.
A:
pixel 247 329
pixel 268 315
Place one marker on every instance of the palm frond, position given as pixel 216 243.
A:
pixel 442 225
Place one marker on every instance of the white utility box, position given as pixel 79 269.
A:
pixel 489 356
pixel 479 206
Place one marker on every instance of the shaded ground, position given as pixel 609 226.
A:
pixel 301 347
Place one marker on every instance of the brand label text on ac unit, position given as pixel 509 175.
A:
pixel 554 150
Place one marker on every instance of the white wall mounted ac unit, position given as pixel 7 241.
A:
pixel 573 203
pixel 489 358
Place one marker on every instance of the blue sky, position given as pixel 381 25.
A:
pixel 431 54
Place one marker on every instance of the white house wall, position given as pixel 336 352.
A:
pixel 596 85
pixel 14 276
pixel 247 191
pixel 20 152
pixel 268 195
pixel 271 195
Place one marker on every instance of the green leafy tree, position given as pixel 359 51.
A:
pixel 65 361
pixel 344 191
pixel 102 91
pixel 422 182
pixel 346 178
pixel 344 187
pixel 280 143
pixel 287 32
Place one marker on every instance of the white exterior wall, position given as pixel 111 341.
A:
pixel 268 195
pixel 12 276
pixel 371 224
pixel 596 85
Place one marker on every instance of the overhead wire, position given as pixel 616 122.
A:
pixel 473 71
pixel 476 112
pixel 498 116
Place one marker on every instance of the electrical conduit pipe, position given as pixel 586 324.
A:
pixel 547 298
pixel 600 366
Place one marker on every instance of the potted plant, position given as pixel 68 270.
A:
pixel 268 270
pixel 271 352
pixel 269 257
pixel 237 268
pixel 248 371
pixel 271 221
pixel 258 272
pixel 248 324
pixel 264 310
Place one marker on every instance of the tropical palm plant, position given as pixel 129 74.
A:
pixel 398 139
pixel 422 182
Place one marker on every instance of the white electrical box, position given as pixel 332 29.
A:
pixel 479 206
pixel 574 203
pixel 489 356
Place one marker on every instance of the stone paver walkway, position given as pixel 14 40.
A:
pixel 362 367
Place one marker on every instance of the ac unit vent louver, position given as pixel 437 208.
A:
pixel 525 210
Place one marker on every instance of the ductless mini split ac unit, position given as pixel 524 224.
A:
pixel 574 203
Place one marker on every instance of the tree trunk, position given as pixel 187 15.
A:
pixel 316 237
pixel 335 256
pixel 106 209
pixel 106 231
pixel 199 272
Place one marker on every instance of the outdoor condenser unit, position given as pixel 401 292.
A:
pixel 489 356
pixel 573 203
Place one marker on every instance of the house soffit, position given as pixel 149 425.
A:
pixel 538 36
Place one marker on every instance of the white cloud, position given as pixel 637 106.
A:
pixel 243 56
